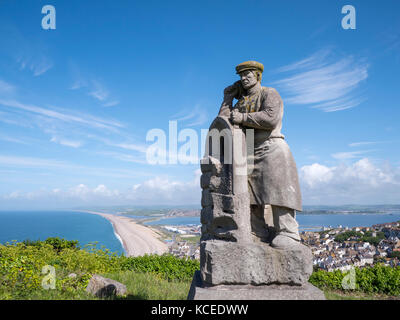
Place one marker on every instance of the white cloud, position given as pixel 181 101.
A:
pixel 111 103
pixel 158 190
pixel 350 154
pixel 360 182
pixel 79 83
pixel 365 143
pixel 57 167
pixel 98 91
pixel 324 81
pixel 130 146
pixel 162 190
pixel 29 162
pixel 94 87
pixel 193 117
pixel 77 118
pixel 124 157
pixel 6 87
pixel 12 139
pixel 316 174
pixel 66 142
pixel 38 64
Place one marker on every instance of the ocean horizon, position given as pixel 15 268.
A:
pixel 71 225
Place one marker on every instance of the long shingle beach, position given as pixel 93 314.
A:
pixel 137 239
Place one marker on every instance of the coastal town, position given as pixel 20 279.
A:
pixel 338 248
pixel 344 248
pixel 185 240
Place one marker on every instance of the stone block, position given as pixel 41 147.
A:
pixel 225 262
pixel 104 287
pixel 198 291
pixel 211 164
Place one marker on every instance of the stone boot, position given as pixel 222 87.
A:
pixel 282 242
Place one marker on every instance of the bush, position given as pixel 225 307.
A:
pixel 57 243
pixel 167 266
pixel 394 254
pixel 344 236
pixel 376 279
pixel 21 267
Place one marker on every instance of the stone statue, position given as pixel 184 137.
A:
pixel 250 246
pixel 274 179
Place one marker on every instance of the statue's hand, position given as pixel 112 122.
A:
pixel 236 117
pixel 231 91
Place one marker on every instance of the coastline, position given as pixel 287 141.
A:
pixel 136 239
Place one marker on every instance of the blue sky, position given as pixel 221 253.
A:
pixel 77 102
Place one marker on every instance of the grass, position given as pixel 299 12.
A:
pixel 147 286
pixel 140 286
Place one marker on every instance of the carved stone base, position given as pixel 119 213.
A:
pixel 224 262
pixel 249 292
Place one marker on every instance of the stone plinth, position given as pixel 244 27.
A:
pixel 224 262
pixel 199 291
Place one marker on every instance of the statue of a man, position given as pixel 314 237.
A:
pixel 274 180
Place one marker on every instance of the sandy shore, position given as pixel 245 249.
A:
pixel 137 239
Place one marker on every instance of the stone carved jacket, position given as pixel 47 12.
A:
pixel 274 179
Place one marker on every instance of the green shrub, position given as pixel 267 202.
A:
pixel 344 236
pixel 57 243
pixel 394 254
pixel 167 266
pixel 21 267
pixel 376 279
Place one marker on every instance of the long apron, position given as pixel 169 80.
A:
pixel 274 179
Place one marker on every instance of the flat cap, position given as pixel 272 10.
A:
pixel 249 65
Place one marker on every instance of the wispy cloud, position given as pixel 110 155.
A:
pixel 124 157
pixel 30 162
pixel 127 143
pixel 38 65
pixel 365 143
pixel 350 155
pixel 192 117
pixel 93 86
pixel 111 103
pixel 61 167
pixel 98 91
pixel 12 139
pixel 83 119
pixel 66 142
pixel 79 83
pixel 324 81
pixel 6 87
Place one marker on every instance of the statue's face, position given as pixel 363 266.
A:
pixel 248 79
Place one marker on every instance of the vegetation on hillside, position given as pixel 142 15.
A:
pixel 21 266
pixel 148 277
pixel 377 279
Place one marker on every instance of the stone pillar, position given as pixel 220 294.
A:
pixel 225 199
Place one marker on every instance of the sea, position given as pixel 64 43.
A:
pixel 71 225
pixel 90 228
